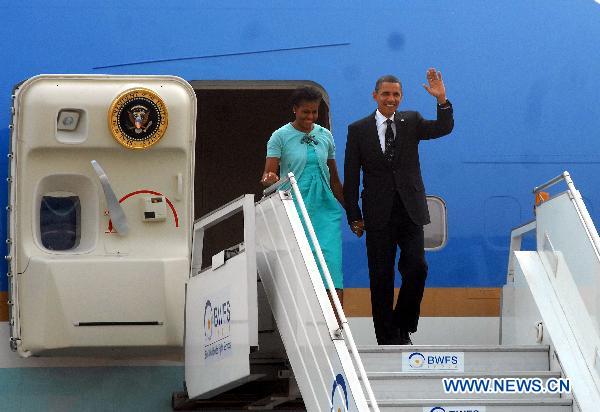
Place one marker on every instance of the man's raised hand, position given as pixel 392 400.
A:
pixel 435 85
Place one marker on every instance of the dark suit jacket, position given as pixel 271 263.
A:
pixel 382 179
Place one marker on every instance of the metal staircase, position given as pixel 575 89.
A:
pixel 398 389
pixel 549 326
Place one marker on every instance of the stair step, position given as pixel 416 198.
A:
pixel 411 385
pixel 490 405
pixel 475 358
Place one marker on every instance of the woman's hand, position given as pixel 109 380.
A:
pixel 269 178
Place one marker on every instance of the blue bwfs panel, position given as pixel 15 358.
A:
pixel 521 76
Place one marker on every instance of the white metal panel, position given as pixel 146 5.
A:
pixel 322 365
pixel 520 314
pixel 63 300
pixel 217 329
pixel 244 203
pixel 217 346
pixel 567 242
pixel 529 266
pixel 561 228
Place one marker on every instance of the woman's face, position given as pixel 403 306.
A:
pixel 307 114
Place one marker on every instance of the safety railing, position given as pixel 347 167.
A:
pixel 563 278
pixel 337 306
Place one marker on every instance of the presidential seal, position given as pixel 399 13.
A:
pixel 138 118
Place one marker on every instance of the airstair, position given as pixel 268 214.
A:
pixel 282 341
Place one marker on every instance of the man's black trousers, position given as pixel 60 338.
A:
pixel 381 253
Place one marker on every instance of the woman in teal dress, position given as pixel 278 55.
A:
pixel 308 150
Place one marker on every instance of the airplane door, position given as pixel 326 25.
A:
pixel 101 212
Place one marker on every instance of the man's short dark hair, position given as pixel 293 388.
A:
pixel 305 94
pixel 388 78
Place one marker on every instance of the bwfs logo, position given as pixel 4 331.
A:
pixel 217 327
pixel 433 361
pixel 416 360
pixel 217 321
pixel 339 395
pixel 208 323
pixel 454 409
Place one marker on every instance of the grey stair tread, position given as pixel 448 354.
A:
pixel 476 358
pixel 486 402
pixel 447 374
pixel 452 348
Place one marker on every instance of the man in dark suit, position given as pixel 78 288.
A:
pixel 394 207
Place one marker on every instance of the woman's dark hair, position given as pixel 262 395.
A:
pixel 305 94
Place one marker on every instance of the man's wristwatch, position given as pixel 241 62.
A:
pixel 444 105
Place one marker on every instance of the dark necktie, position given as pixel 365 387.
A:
pixel 389 141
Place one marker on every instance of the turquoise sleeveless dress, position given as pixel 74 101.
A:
pixel 325 214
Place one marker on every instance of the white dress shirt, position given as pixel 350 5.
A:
pixel 380 121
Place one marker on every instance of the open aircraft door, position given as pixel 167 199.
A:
pixel 100 212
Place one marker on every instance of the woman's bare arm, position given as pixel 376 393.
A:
pixel 334 181
pixel 271 169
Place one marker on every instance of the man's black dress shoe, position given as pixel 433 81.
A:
pixel 404 338
pixel 401 338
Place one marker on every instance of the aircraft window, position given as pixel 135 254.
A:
pixel 60 222
pixel 436 232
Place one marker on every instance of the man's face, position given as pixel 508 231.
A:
pixel 388 98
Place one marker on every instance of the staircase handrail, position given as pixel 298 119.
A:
pixel 336 302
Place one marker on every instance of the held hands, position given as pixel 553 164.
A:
pixel 269 178
pixel 435 85
pixel 358 227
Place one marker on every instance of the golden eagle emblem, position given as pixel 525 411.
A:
pixel 138 118
pixel 140 121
